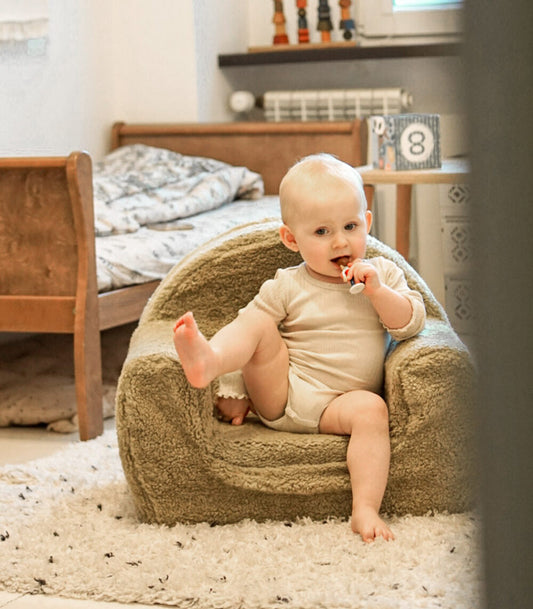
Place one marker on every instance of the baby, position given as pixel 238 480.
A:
pixel 312 353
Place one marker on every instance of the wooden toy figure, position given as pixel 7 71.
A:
pixel 347 23
pixel 303 31
pixel 280 36
pixel 324 21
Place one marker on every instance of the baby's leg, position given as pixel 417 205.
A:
pixel 196 355
pixel 364 417
pixel 251 343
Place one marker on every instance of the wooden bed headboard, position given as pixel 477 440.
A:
pixel 267 148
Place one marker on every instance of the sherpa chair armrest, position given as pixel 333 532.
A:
pixel 152 366
pixel 429 389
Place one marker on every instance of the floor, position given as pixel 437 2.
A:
pixel 22 444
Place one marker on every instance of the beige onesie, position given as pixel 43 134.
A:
pixel 335 339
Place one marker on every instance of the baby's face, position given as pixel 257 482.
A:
pixel 329 222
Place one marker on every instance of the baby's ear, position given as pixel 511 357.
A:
pixel 288 238
pixel 368 218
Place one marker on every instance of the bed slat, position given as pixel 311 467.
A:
pixel 33 313
pixel 125 305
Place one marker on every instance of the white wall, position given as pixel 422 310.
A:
pixel 221 27
pixel 139 60
pixel 47 103
pixel 108 60
pixel 136 60
pixel 153 60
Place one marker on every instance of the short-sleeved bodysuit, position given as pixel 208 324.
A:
pixel 335 339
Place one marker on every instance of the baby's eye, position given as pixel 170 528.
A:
pixel 351 226
pixel 321 231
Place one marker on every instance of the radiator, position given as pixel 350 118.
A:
pixel 334 104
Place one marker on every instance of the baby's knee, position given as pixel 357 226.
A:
pixel 374 408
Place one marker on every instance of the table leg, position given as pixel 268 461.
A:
pixel 369 193
pixel 403 218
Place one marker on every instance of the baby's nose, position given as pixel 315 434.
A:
pixel 339 240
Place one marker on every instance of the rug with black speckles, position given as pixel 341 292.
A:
pixel 68 528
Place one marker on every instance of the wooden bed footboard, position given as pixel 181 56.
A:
pixel 47 243
pixel 47 264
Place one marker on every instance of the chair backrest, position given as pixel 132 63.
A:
pixel 215 281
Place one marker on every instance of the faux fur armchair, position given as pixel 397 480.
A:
pixel 183 465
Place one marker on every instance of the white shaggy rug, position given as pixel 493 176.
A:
pixel 68 528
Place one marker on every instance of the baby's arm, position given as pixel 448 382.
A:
pixel 394 309
pixel 233 410
pixel 233 403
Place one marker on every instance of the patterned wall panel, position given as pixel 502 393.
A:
pixel 457 255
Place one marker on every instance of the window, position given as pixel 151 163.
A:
pixel 424 3
pixel 409 18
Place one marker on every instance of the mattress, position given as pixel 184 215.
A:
pixel 149 253
pixel 153 206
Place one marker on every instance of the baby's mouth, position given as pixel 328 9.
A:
pixel 341 260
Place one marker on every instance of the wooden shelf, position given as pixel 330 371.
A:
pixel 335 52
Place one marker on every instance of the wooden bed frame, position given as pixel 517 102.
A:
pixel 47 243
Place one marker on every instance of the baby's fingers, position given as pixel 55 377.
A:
pixel 359 270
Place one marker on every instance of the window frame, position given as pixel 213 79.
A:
pixel 380 18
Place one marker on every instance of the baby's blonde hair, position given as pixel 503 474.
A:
pixel 314 166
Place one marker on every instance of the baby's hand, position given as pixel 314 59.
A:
pixel 361 271
pixel 233 410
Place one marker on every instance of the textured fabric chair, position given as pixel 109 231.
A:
pixel 183 465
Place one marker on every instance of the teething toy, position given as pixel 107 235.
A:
pixel 356 288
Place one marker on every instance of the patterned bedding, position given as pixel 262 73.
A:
pixel 153 206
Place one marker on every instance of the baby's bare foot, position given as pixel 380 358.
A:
pixel 196 356
pixel 369 525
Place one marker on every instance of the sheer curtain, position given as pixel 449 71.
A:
pixel 23 19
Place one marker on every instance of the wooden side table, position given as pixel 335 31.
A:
pixel 453 171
